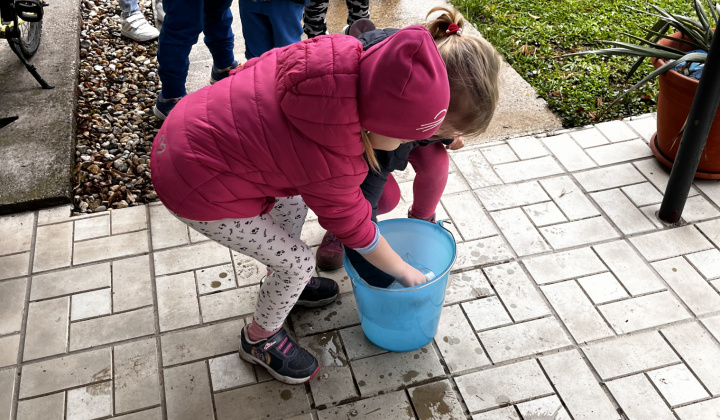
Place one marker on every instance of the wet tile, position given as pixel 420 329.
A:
pixel 94 227
pixel 466 286
pixel 577 387
pixel 676 241
pixel 505 413
pixel 634 273
pixel 481 252
pixel 266 400
pixel 229 303
pixel 622 212
pixel 357 345
pixel 576 311
pixel 564 265
pixel 49 407
pixel 523 339
pixel 215 279
pixel 132 285
pixel 468 216
pixel 694 290
pixel 619 152
pixel 543 214
pixel 519 231
pixel 65 372
pixel 200 343
pixel 643 312
pixel 698 350
pixel 513 195
pixel 53 247
pixel 528 169
pixel 706 262
pixel 166 229
pixel 12 305
pixel 136 375
pixel 476 170
pixel 47 326
pixel 639 399
pixel 204 254
pixel 90 304
pixel 54 214
pixel 677 384
pixel 610 177
pixel 334 382
pixel 581 232
pixel 177 301
pixel 569 197
pixel 603 288
pixel 230 371
pixel 90 402
pixel 503 385
pixel 547 407
pixel 187 392
pixel 15 265
pixel 458 345
pixel 74 280
pixel 112 328
pixel 486 313
pixel 572 157
pixel 630 354
pixel 527 147
pixel 517 292
pixel 129 219
pixel 436 401
pixel 643 194
pixel 115 246
pixel 388 406
pixel 17 231
pixel 152 414
pixel 7 385
pixel 391 371
pixel 339 314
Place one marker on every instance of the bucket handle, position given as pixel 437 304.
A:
pixel 441 223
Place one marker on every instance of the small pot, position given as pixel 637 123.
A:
pixel 675 98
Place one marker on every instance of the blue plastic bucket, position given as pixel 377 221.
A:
pixel 406 319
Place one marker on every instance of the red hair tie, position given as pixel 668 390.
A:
pixel 453 29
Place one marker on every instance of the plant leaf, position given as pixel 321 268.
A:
pixel 713 13
pixel 653 44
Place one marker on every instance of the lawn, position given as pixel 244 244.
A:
pixel 533 34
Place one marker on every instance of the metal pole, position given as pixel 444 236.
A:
pixel 694 138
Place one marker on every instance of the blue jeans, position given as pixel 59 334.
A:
pixel 184 21
pixel 269 24
pixel 128 7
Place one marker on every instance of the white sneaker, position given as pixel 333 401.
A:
pixel 159 11
pixel 137 28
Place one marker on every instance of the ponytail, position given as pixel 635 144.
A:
pixel 369 152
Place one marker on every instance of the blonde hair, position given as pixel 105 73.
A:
pixel 473 66
pixel 369 152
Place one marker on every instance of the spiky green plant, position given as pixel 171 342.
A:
pixel 698 34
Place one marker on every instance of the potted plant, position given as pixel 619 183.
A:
pixel 677 46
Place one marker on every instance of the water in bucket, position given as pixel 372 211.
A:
pixel 405 319
pixel 421 268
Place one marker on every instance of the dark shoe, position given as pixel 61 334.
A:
pixel 319 292
pixel 163 106
pixel 329 255
pixel 281 356
pixel 430 219
pixel 217 75
pixel 359 27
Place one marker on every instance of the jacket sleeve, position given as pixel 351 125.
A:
pixel 342 210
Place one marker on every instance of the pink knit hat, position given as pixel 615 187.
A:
pixel 404 90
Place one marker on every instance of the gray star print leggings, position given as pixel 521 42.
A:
pixel 274 240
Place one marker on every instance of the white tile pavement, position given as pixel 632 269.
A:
pixel 568 300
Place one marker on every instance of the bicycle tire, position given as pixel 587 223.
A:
pixel 28 40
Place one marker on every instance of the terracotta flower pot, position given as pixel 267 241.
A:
pixel 674 102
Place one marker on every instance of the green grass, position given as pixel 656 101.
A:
pixel 532 34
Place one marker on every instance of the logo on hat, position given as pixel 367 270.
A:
pixel 436 122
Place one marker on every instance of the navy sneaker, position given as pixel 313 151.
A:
pixel 319 291
pixel 163 106
pixel 217 75
pixel 281 356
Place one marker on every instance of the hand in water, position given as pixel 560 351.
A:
pixel 412 277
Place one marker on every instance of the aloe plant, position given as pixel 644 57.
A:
pixel 698 34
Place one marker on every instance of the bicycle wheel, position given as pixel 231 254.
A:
pixel 28 39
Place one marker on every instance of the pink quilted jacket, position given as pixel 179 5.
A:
pixel 284 124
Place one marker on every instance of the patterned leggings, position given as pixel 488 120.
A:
pixel 274 240
pixel 316 11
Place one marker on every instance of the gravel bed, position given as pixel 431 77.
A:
pixel 117 88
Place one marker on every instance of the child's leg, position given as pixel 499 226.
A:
pixel 181 27
pixel 390 196
pixel 256 28
pixel 357 9
pixel 314 18
pixel 219 36
pixel 431 164
pixel 285 21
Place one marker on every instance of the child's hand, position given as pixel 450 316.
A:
pixel 457 143
pixel 412 277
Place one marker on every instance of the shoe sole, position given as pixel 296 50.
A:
pixel 128 35
pixel 158 113
pixel 315 303
pixel 284 379
pixel 324 267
